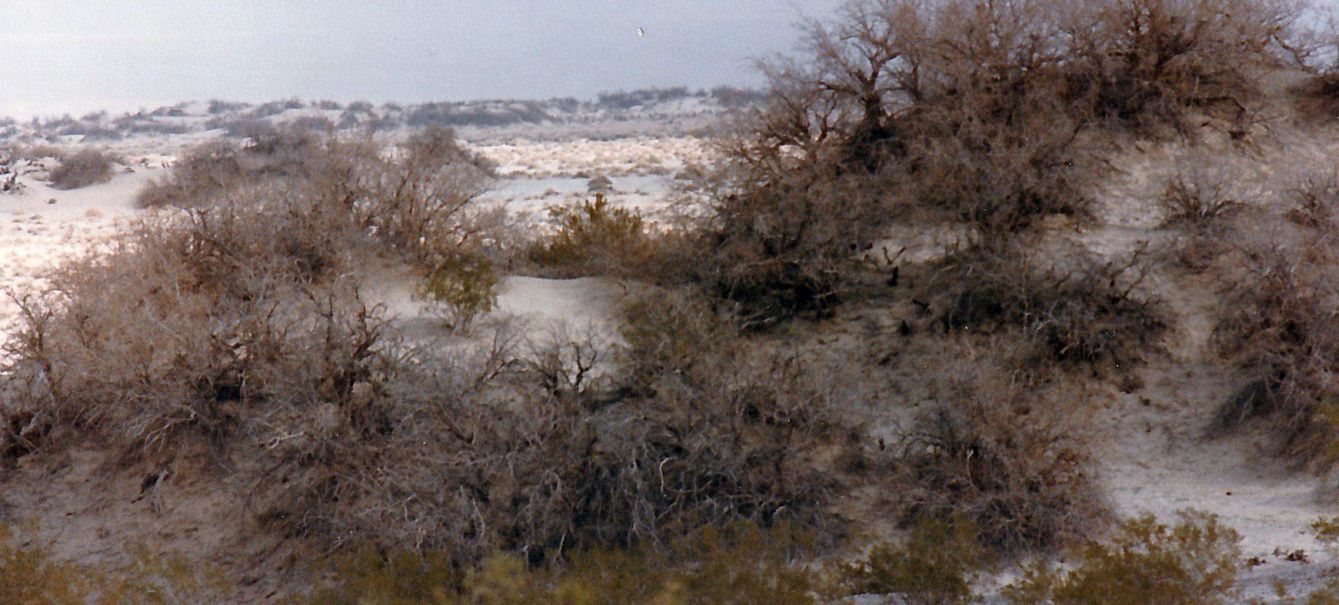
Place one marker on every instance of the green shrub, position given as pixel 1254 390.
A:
pixel 592 238
pixel 464 286
pixel 741 565
pixel 28 576
pixel 1194 562
pixel 932 566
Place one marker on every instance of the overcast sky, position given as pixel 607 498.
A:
pixel 59 56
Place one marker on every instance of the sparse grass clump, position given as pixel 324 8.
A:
pixel 82 168
pixel 29 576
pixel 1194 562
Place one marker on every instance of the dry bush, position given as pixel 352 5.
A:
pixel 240 322
pixel 539 471
pixel 420 200
pixel 783 245
pixel 82 168
pixel 425 201
pixel 977 110
pixel 167 336
pixel 239 326
pixel 1194 562
pixel 200 173
pixel 1076 311
pixel 1318 97
pixel 1000 457
pixel 1315 201
pixel 1277 325
pixel 1198 200
pixel 1151 63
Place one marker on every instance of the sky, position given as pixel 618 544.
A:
pixel 75 56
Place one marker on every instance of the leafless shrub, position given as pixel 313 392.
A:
pixel 1146 63
pixel 198 174
pixel 1277 326
pixel 1000 456
pixel 239 324
pixel 1077 311
pixel 1316 200
pixel 1198 200
pixel 85 167
pixel 420 201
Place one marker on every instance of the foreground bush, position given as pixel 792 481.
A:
pixel 933 566
pixel 999 457
pixel 29 576
pixel 243 324
pixel 1276 326
pixel 82 168
pixel 738 566
pixel 1194 562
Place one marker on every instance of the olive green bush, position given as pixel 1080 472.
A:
pixel 1194 562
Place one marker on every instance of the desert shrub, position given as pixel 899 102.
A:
pixel 1149 63
pixel 1000 457
pixel 741 565
pixel 1078 311
pixel 592 238
pixel 1197 200
pixel 1315 201
pixel 425 203
pixel 665 336
pixel 82 168
pixel 200 173
pixel 1276 326
pixel 161 339
pixel 1200 202
pixel 1194 562
pixel 784 248
pixel 983 111
pixel 932 566
pixel 29 576
pixel 241 325
pixel 421 202
pixel 463 286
